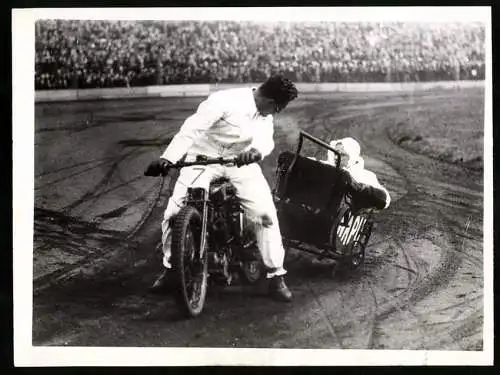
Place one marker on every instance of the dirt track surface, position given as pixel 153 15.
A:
pixel 97 234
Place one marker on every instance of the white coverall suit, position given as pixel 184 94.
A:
pixel 224 125
pixel 350 148
pixel 356 165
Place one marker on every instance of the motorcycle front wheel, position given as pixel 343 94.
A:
pixel 190 270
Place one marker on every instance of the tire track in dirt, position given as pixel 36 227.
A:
pixel 97 262
pixel 94 256
pixel 421 287
pixel 75 165
pixel 113 160
pixel 91 195
pixel 331 325
pixel 412 272
pixel 399 302
pixel 417 289
pixel 412 262
pixel 94 259
pixel 450 264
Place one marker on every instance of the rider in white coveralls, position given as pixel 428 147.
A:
pixel 363 184
pixel 232 123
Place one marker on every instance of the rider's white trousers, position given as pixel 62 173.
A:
pixel 255 196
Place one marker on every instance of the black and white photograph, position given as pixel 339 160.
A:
pixel 238 186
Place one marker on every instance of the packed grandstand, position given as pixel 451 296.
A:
pixel 87 54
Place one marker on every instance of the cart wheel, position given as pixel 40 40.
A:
pixel 357 255
pixel 356 258
pixel 352 262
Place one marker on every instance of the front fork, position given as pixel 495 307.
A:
pixel 203 240
pixel 198 198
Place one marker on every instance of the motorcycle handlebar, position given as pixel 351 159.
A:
pixel 206 161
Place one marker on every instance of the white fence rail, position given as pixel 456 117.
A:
pixel 195 90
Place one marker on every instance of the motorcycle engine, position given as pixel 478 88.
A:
pixel 226 213
pixel 230 231
pixel 224 229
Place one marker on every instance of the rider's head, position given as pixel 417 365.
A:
pixel 349 151
pixel 274 95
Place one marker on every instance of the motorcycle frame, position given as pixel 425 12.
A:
pixel 199 198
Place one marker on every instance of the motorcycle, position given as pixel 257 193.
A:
pixel 212 240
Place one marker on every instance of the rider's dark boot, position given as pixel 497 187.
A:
pixel 163 282
pixel 278 289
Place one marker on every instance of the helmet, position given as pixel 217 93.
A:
pixel 349 150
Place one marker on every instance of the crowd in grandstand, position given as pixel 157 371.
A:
pixel 71 54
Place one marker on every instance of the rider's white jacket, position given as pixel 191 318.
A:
pixel 224 125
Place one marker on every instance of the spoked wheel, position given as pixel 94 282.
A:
pixel 190 270
pixel 356 258
pixel 351 262
pixel 358 250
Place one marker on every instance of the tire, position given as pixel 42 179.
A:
pixel 335 225
pixel 355 259
pixel 190 277
pixel 350 266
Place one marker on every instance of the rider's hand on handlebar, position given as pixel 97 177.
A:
pixel 248 157
pixel 157 168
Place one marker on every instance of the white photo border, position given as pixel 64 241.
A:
pixel 25 354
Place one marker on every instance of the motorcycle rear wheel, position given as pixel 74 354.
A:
pixel 251 272
pixel 190 271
